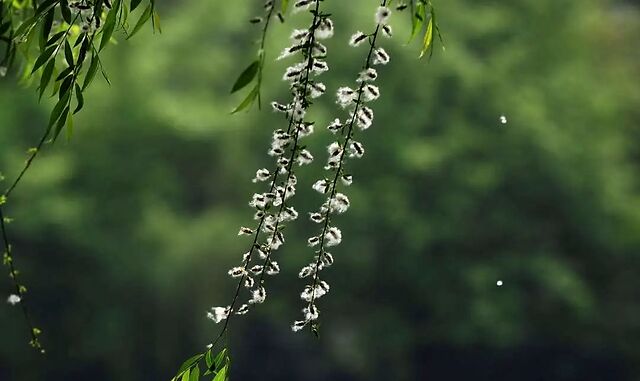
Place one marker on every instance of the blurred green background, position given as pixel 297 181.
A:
pixel 125 233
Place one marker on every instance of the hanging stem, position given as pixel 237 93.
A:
pixel 325 227
pixel 309 49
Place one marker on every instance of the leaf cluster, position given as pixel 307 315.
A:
pixel 59 43
pixel 217 365
pixel 423 19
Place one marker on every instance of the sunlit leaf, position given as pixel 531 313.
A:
pixel 428 38
pixel 208 358
pixel 189 363
pixel 195 374
pixel 221 375
pixel 45 6
pixel 220 358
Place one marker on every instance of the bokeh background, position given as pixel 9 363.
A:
pixel 124 234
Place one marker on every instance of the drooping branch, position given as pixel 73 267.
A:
pixel 338 203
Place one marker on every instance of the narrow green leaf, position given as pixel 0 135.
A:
pixel 65 87
pixel 69 133
pixel 416 21
pixel 68 53
pixel 246 76
pixel 428 38
pixel 82 54
pixel 110 24
pixel 43 58
pixel 25 27
pixel 221 375
pixel 46 77
pixel 195 374
pixel 189 363
pixel 61 122
pixel 44 6
pixel 91 72
pixel 227 365
pixel 214 364
pixel 218 361
pixel 45 29
pixel 79 39
pixel 248 101
pixel 186 375
pixel 156 21
pixel 208 359
pixel 79 99
pixel 284 5
pixel 144 17
pixel 66 11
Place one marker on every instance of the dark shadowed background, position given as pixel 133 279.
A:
pixel 125 233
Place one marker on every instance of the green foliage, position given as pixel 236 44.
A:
pixel 217 365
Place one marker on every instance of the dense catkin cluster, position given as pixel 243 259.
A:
pixel 345 147
pixel 273 208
